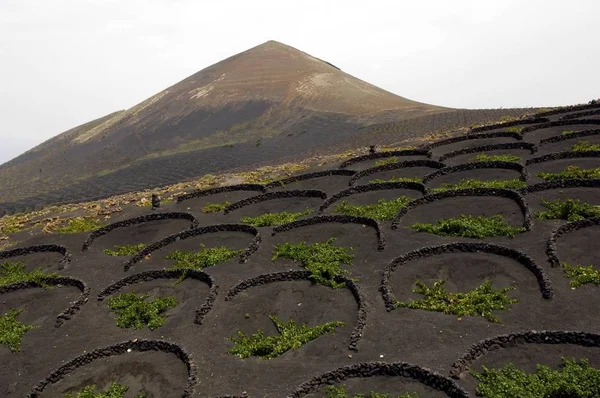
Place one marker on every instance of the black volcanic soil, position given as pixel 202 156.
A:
pixel 432 340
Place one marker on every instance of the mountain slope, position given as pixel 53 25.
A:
pixel 252 98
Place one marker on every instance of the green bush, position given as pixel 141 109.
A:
pixel 568 132
pixel 396 179
pixel 206 257
pixel 322 259
pixel 291 337
pixel 585 146
pixel 274 219
pixel 571 172
pixel 482 157
pixel 125 250
pixel 581 275
pixel 340 392
pixel 78 225
pixel 574 380
pixel 478 302
pixel 569 209
pixel 384 161
pixel 14 272
pixel 215 207
pixel 469 226
pixel 115 390
pixel 382 210
pixel 12 331
pixel 467 183
pixel 133 310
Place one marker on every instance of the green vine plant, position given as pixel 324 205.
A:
pixel 115 390
pixel 585 146
pixel 206 257
pixel 274 219
pixel 569 209
pixel 396 179
pixel 568 132
pixel 15 272
pixel 581 275
pixel 291 337
pixel 215 207
pixel 79 225
pixel 573 380
pixel 482 157
pixel 12 331
pixel 467 183
pixel 340 392
pixel 571 172
pixel 480 301
pixel 515 129
pixel 382 210
pixel 133 310
pixel 468 226
pixel 322 259
pixel 382 162
pixel 124 250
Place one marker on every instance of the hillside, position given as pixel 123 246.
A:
pixel 269 95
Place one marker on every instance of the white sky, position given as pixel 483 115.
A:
pixel 66 62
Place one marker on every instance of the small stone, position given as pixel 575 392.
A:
pixel 129 350
pixel 350 356
pixel 381 356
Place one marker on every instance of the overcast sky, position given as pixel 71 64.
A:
pixel 66 62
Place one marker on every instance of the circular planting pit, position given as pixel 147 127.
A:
pixel 565 143
pixel 462 142
pixel 145 229
pixel 525 351
pixel 588 114
pixel 381 377
pixel 484 171
pixel 558 162
pixel 409 169
pixel 506 126
pixel 543 131
pixel 329 181
pixel 201 203
pixel 575 243
pixel 468 155
pixel 371 193
pixel 586 191
pixel 370 160
pixel 475 202
pixel 50 257
pixel 159 368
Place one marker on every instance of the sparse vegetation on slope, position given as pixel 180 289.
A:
pixel 340 392
pixel 581 275
pixel 480 301
pixel 572 172
pixel 12 331
pixel 390 160
pixel 396 179
pixel 274 219
pixel 585 146
pixel 215 207
pixel 466 183
pixel 515 129
pixel 382 210
pixel 568 132
pixel 469 226
pixel 569 209
pixel 115 390
pixel 14 272
pixel 133 310
pixel 573 380
pixel 291 337
pixel 482 157
pixel 78 225
pixel 322 259
pixel 124 250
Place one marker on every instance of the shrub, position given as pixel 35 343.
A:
pixel 498 184
pixel 340 392
pixel 291 337
pixel 133 310
pixel 482 157
pixel 115 390
pixel 585 146
pixel 568 132
pixel 322 259
pixel 14 272
pixel 514 129
pixel 78 225
pixel 571 172
pixel 384 161
pixel 397 179
pixel 581 275
pixel 382 210
pixel 274 219
pixel 569 209
pixel 206 257
pixel 574 380
pixel 12 331
pixel 125 250
pixel 215 207
pixel 469 226
pixel 478 302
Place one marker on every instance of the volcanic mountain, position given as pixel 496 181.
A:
pixel 259 106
